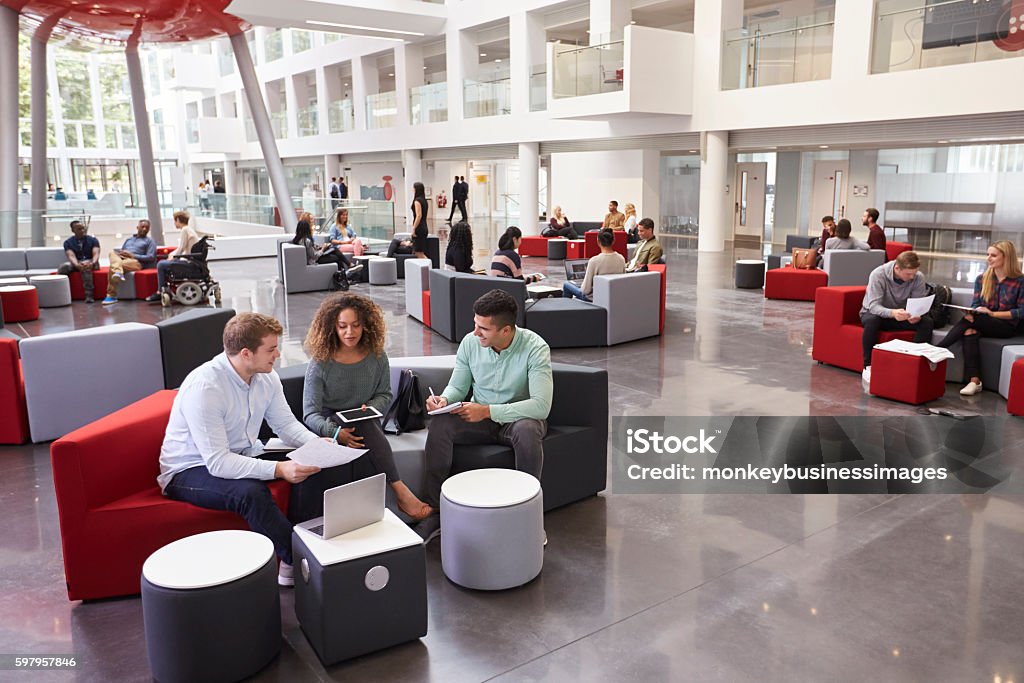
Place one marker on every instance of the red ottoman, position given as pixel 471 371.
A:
pixel 145 282
pixel 591 247
pixel 575 249
pixel 795 284
pixel 14 425
pixel 534 245
pixel 426 308
pixel 906 378
pixel 20 303
pixel 1015 399
pixel 99 284
pixel 894 249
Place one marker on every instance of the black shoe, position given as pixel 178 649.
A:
pixel 153 298
pixel 429 528
pixel 90 300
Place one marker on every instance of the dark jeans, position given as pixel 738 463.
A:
pixel 566 232
pixel 251 499
pixel 339 259
pixel 874 324
pixel 445 431
pixel 986 326
pixel 382 458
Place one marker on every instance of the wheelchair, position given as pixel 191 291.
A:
pixel 194 286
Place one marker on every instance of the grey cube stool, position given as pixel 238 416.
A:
pixel 556 248
pixel 211 607
pixel 53 290
pixel 383 271
pixel 361 591
pixel 1009 357
pixel 749 274
pixel 492 528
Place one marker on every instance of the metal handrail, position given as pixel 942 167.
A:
pixel 591 47
pixel 918 9
pixel 759 34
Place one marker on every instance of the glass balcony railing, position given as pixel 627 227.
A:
pixel 341 118
pixel 589 70
pixel 381 110
pixel 163 137
pixel 279 124
pixel 428 103
pixel 192 131
pixel 487 97
pixel 539 87
pixel 913 34
pixel 785 51
pixel 309 121
pixel 250 130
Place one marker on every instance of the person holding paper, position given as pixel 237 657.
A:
pixel 889 287
pixel 998 307
pixel 349 369
pixel 211 456
pixel 507 370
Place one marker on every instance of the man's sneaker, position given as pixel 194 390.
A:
pixel 429 528
pixel 109 300
pixel 971 389
pixel 866 375
pixel 153 298
pixel 285 575
pixel 90 300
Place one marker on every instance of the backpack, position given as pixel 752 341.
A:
pixel 335 192
pixel 408 411
pixel 339 282
pixel 938 312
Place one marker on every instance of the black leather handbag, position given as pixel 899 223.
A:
pixel 408 412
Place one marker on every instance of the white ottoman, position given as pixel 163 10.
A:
pixel 383 271
pixel 1010 355
pixel 211 607
pixel 53 290
pixel 14 280
pixel 492 529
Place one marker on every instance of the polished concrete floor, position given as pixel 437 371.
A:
pixel 634 587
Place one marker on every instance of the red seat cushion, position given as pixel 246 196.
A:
pixel 533 245
pixel 14 424
pixel 1015 400
pixel 145 282
pixel 795 284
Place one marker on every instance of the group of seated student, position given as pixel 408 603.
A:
pixel 838 235
pixel 340 238
pixel 998 307
pixel 211 456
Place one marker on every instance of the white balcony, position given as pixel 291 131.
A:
pixel 194 72
pixel 650 71
pixel 215 135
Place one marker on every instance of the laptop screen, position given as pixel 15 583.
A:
pixel 575 269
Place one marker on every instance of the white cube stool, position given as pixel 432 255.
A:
pixel 383 271
pixel 492 528
pixel 211 607
pixel 1009 356
pixel 53 290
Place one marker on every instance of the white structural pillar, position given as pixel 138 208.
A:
pixel 408 75
pixel 529 194
pixel 715 221
pixel 527 49
pixel 145 140
pixel 607 20
pixel 365 81
pixel 462 61
pixel 39 138
pixel 264 133
pixel 8 127
pixel 412 165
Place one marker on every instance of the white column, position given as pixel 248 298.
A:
pixel 710 19
pixel 291 105
pixel 462 62
pixel 408 75
pixel 852 40
pixel 39 141
pixel 322 101
pixel 8 127
pixel 145 139
pixel 527 48
pixel 607 19
pixel 529 199
pixel 365 81
pixel 715 220
pixel 412 166
pixel 265 134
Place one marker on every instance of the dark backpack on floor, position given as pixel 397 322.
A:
pixel 339 282
pixel 408 412
pixel 938 312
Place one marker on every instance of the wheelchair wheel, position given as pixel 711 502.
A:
pixel 189 293
pixel 165 299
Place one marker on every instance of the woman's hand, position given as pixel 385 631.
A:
pixel 983 309
pixel 348 437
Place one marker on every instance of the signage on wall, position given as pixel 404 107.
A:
pixel 860 190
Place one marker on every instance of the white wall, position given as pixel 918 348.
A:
pixel 583 183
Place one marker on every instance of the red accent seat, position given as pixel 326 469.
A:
pixel 112 513
pixel 20 303
pixel 145 283
pixel 904 378
pixel 795 284
pixel 533 245
pixel 14 425
pixel 426 308
pixel 593 249
pixel 661 268
pixel 1015 400
pixel 894 249
pixel 838 330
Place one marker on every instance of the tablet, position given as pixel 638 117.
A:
pixel 357 414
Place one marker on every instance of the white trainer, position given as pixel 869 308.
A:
pixel 285 575
pixel 971 389
pixel 866 374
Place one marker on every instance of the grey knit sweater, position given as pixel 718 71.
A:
pixel 337 386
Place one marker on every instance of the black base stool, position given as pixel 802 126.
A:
pixel 749 274
pixel 556 248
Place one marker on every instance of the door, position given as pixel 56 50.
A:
pixel 748 209
pixel 828 193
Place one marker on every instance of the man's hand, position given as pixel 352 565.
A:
pixel 900 314
pixel 292 472
pixel 473 412
pixel 348 437
pixel 126 254
pixel 914 319
pixel 435 402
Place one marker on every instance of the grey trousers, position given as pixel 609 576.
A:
pixel 67 268
pixel 445 431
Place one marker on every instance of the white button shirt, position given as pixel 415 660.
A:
pixel 216 419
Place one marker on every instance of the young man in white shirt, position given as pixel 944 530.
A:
pixel 211 456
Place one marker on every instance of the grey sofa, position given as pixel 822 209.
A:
pixel 189 339
pixel 575 448
pixel 851 266
pixel 30 261
pixel 299 277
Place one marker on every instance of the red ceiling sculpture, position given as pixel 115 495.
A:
pixel 152 21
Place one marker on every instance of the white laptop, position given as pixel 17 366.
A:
pixel 349 507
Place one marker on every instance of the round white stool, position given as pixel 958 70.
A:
pixel 13 280
pixel 211 607
pixel 383 271
pixel 54 290
pixel 492 528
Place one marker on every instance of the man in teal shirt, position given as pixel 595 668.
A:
pixel 508 372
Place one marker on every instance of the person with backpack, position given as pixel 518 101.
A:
pixel 998 307
pixel 349 370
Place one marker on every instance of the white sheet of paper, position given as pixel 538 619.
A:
pixel 447 409
pixel 322 454
pixel 920 306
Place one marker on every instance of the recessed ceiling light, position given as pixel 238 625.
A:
pixel 497 61
pixel 632 22
pixel 346 85
pixel 693 151
pixel 588 32
pixel 483 54
pixel 823 146
pixel 943 142
pixel 391 74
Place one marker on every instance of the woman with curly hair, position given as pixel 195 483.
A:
pixel 348 370
pixel 459 254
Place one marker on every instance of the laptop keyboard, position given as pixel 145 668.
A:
pixel 318 530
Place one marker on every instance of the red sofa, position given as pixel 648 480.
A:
pixel 837 327
pixel 593 249
pixel 14 423
pixel 1015 400
pixel 145 283
pixel 112 513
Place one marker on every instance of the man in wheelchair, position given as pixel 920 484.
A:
pixel 188 278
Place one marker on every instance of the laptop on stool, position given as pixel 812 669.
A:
pixel 576 269
pixel 349 507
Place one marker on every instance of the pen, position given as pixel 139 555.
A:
pixel 336 432
pixel 431 392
